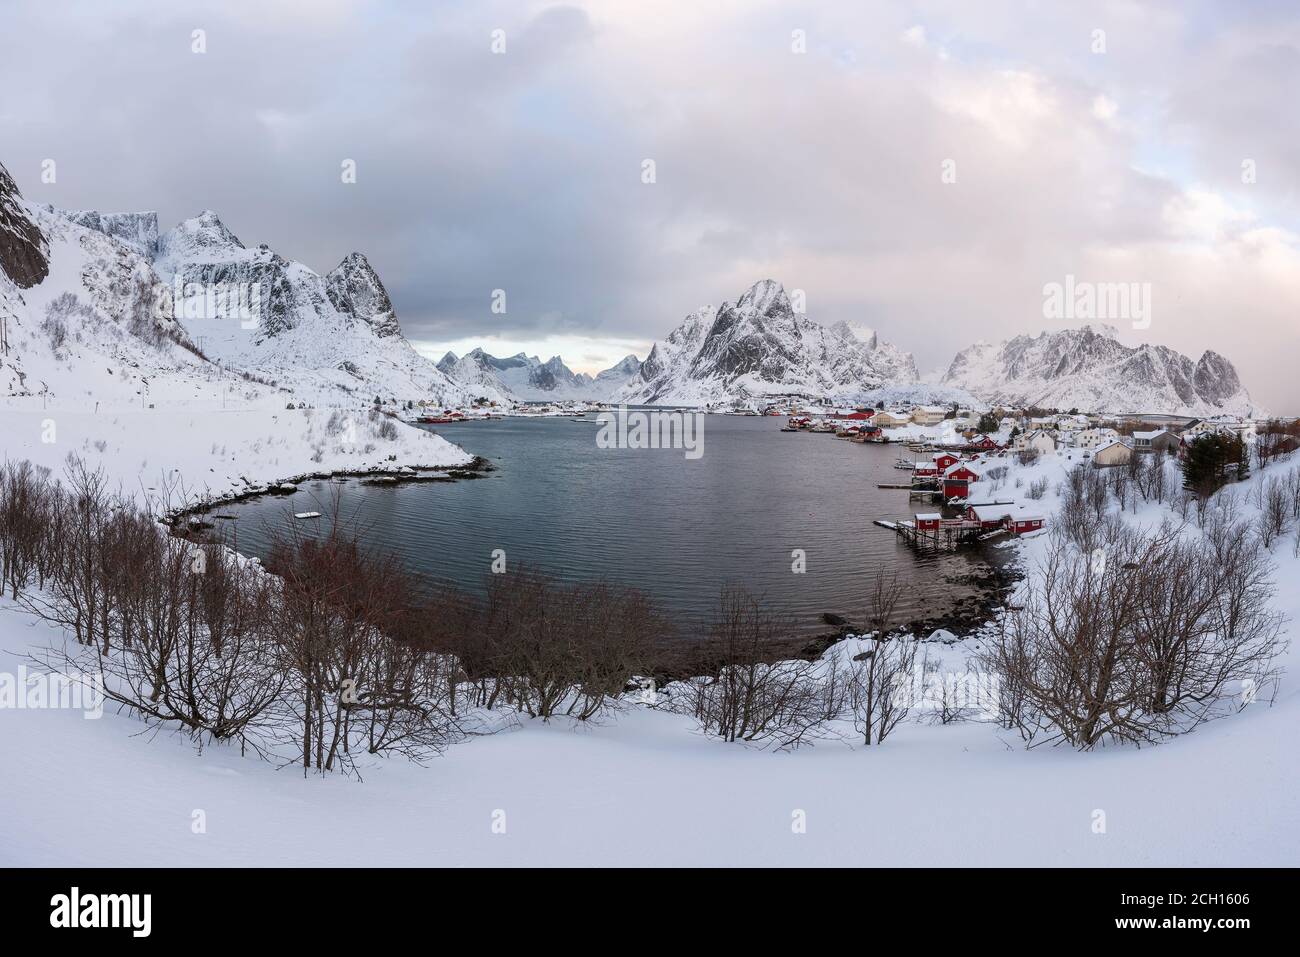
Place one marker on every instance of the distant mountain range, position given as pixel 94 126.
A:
pixel 79 296
pixel 1091 370
pixel 760 347
pixel 527 378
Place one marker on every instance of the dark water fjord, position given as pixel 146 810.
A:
pixel 651 518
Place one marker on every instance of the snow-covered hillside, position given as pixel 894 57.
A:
pixel 94 362
pixel 528 378
pixel 1090 369
pixel 645 788
pixel 87 330
pixel 320 336
pixel 759 347
pixel 103 305
pixel 170 457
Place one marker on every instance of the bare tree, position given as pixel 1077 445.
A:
pixel 751 698
pixel 1148 642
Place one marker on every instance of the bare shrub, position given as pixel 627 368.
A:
pixel 382 426
pixel 347 688
pixel 1145 644
pixel 1275 510
pixel 878 698
pixel 552 649
pixel 749 698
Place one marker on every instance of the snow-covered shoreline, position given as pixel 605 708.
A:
pixel 179 459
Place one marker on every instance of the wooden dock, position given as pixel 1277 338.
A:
pixel 951 533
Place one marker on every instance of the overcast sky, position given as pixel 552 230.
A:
pixel 824 169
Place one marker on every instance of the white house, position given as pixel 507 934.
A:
pixel 1089 439
pixel 1072 423
pixel 1039 440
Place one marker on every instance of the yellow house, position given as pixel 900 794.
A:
pixel 928 414
pixel 887 420
pixel 1113 453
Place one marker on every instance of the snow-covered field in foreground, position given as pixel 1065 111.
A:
pixel 644 788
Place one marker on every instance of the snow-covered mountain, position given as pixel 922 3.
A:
pixel 528 378
pixel 78 319
pixel 1090 369
pixel 315 334
pixel 760 347
pixel 104 305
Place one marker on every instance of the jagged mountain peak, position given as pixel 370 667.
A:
pixel 138 230
pixel 766 297
pixel 354 288
pixel 761 346
pixel 624 369
pixel 522 376
pixel 199 238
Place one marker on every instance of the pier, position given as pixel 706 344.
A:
pixel 948 533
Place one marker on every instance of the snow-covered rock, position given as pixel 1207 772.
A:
pixel 355 289
pixel 137 230
pixel 322 337
pixel 23 248
pixel 1090 369
pixel 759 346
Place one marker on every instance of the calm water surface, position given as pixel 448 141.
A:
pixel 675 527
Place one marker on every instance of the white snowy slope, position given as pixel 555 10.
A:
pixel 528 378
pixel 79 324
pixel 1090 369
pixel 759 347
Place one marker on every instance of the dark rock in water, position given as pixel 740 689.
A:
pixel 22 244
pixel 835 621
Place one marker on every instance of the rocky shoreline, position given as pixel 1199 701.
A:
pixel 971 614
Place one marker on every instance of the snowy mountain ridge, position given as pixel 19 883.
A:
pixel 527 378
pixel 79 291
pixel 760 346
pixel 1088 368
pixel 92 309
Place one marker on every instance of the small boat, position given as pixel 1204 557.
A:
pixel 306 514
